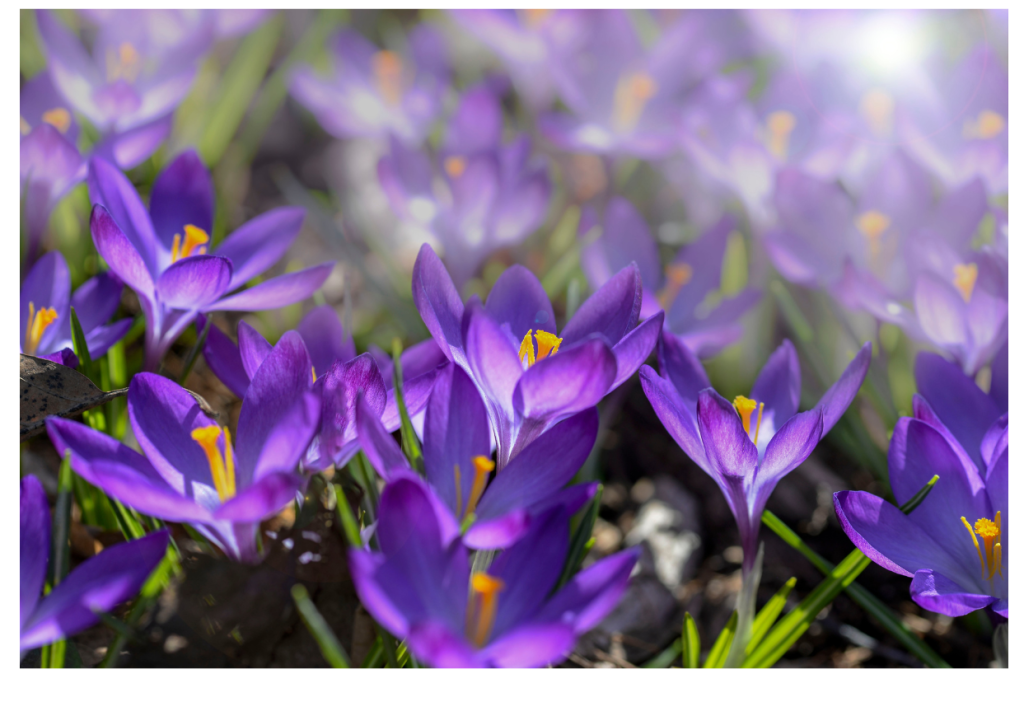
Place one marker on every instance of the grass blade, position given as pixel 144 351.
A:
pixel 329 645
pixel 720 649
pixel 348 520
pixel 769 613
pixel 665 658
pixel 410 443
pixel 582 540
pixel 691 643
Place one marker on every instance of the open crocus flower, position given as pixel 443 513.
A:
pixel 479 195
pixel 680 288
pixel 46 303
pixel 456 456
pixel 530 376
pixel 749 444
pixel 98 585
pixel 142 65
pixel 163 254
pixel 189 470
pixel 955 545
pixel 374 93
pixel 419 587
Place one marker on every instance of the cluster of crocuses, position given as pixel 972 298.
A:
pixel 833 170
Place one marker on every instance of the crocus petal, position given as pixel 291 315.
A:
pixel 182 194
pixel 681 366
pixel 572 380
pixel 956 399
pixel 325 338
pixel 273 432
pixel 119 253
pixel 47 285
pixel 111 189
pixel 380 447
pixel 731 453
pixel 591 594
pixel 624 239
pixel 495 367
pixel 678 418
pixel 438 302
pixel 789 447
pixel 103 582
pixel 65 356
pixel 611 311
pixel 497 533
pixel 131 147
pixel 838 398
pixel 258 244
pixel 941 312
pixel 96 300
pixel 35 544
pixel 262 499
pixel 73 71
pixel 937 593
pixel 341 386
pixel 778 384
pixel 100 339
pixel 519 300
pixel 277 292
pixel 384 592
pixel 253 348
pixel 455 431
pixel 223 357
pixel 194 282
pixel 531 646
pixel 1000 387
pixel 995 439
pixel 635 347
pixel 441 647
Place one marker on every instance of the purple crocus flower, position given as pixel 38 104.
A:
pixel 46 302
pixel 478 195
pixel 420 588
pixel 162 253
pixel 456 458
pixel 955 544
pixel 749 444
pixel 189 471
pixel 528 387
pixel 142 65
pixel 374 93
pixel 98 585
pixel 680 288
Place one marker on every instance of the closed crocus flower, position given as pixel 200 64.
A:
pixel 678 288
pixel 100 584
pixel 955 544
pixel 164 253
pixel 190 469
pixel 419 587
pixel 493 513
pixel 530 375
pixel 46 302
pixel 374 93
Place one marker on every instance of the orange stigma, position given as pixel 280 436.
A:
pixel 780 125
pixel 877 108
pixel 745 407
pixel 59 118
pixel 222 466
pixel 964 278
pixel 547 345
pixel 194 238
pixel 36 326
pixel 535 18
pixel 678 275
pixel 387 70
pixel 124 64
pixel 454 166
pixel 991 558
pixel 632 93
pixel 988 125
pixel 872 224
pixel 482 607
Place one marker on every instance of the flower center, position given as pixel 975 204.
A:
pixel 222 465
pixel 745 407
pixel 988 125
pixel 780 125
pixel 991 558
pixel 454 166
pixel 877 107
pixel 125 63
pixel 631 96
pixel 194 238
pixel 964 278
pixel 59 118
pixel 547 344
pixel 482 607
pixel 872 224
pixel 535 18
pixel 482 465
pixel 678 275
pixel 387 70
pixel 37 325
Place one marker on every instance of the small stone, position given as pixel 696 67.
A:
pixel 175 642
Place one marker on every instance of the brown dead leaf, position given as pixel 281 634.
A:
pixel 49 388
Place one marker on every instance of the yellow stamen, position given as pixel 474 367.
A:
pixel 36 326
pixel 458 490
pixel 547 344
pixel 526 349
pixel 877 107
pixel 483 606
pixel 780 125
pixel 194 238
pixel 678 275
pixel 313 370
pixel 535 18
pixel 988 125
pixel 872 224
pixel 387 69
pixel 125 63
pixel 757 430
pixel 991 558
pixel 964 278
pixel 222 466
pixel 981 557
pixel 455 166
pixel 25 126
pixel 997 552
pixel 745 407
pixel 632 93
pixel 483 466
pixel 58 117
